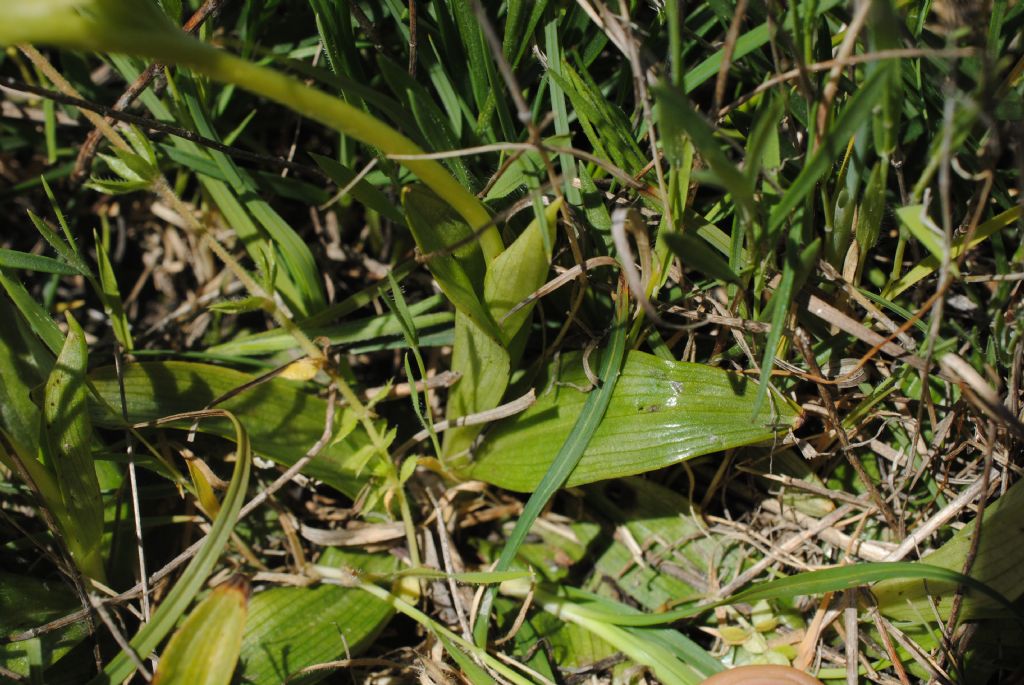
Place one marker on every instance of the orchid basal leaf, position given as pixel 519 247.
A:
pixel 661 413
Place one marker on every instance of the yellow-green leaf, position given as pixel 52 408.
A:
pixel 205 649
pixel 483 361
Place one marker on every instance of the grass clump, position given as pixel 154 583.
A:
pixel 514 343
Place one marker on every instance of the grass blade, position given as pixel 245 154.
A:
pixel 814 583
pixel 568 456
pixel 856 112
pixel 193 578
pixel 13 259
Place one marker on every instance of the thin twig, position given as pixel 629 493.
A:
pixel 123 643
pixel 826 398
pixel 133 483
pixel 516 406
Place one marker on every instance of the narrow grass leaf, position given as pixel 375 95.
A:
pixel 695 253
pixel 299 266
pixel 467 577
pixel 800 260
pixel 137 28
pixel 929 264
pixel 470 669
pixel 13 259
pixel 434 127
pixel 66 251
pixel 676 118
pixel 641 646
pixel 177 600
pixel 364 192
pixel 922 227
pixel 603 122
pixel 856 112
pixel 345 334
pixel 110 294
pixel 815 583
pixel 572 449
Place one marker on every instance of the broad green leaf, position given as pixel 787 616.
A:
pixel 486 367
pixel 290 628
pixel 67 444
pixel 205 649
pixel 282 419
pixel 788 463
pixel 665 521
pixel 519 271
pixel 485 362
pixel 660 414
pixel 999 564
pixel 27 602
pixel 459 271
pixel 24 364
pixel 195 574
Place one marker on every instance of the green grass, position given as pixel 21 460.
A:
pixel 687 500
